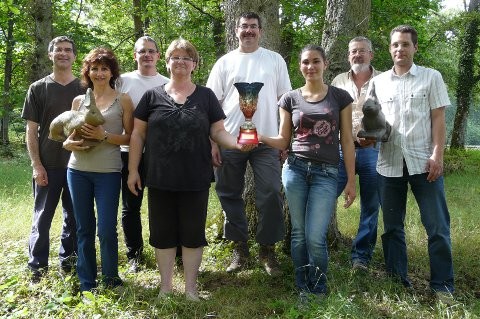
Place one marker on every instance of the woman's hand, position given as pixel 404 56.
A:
pixel 71 144
pixel 246 147
pixel 93 132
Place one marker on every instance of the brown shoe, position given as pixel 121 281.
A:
pixel 269 260
pixel 239 256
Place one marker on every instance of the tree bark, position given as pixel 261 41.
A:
pixel 41 11
pixel 467 79
pixel 8 68
pixel 269 14
pixel 345 19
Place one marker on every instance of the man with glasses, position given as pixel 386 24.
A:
pixel 250 63
pixel 135 83
pixel 47 98
pixel 356 81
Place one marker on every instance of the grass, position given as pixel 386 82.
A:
pixel 251 293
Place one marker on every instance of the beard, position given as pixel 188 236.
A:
pixel 360 67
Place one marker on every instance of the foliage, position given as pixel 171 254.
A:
pixel 250 293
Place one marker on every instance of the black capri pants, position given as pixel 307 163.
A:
pixel 177 218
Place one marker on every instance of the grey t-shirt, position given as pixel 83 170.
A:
pixel 44 101
pixel 316 124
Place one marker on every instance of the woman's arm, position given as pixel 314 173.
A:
pixel 220 136
pixel 282 140
pixel 348 149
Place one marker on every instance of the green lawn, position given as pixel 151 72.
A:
pixel 251 293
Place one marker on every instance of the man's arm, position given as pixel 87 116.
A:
pixel 435 162
pixel 39 172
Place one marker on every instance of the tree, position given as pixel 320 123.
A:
pixel 467 77
pixel 41 11
pixel 269 13
pixel 345 20
pixel 8 68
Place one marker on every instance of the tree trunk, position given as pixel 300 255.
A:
pixel 467 79
pixel 345 19
pixel 269 13
pixel 41 11
pixel 137 18
pixel 6 101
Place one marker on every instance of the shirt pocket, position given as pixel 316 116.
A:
pixel 417 101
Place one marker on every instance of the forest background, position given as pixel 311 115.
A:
pixel 26 27
pixel 448 42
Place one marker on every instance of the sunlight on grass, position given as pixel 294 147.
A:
pixel 250 293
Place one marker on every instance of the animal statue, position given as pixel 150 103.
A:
pixel 374 125
pixel 64 124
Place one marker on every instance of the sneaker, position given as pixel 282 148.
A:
pixel 358 265
pixel 445 297
pixel 269 260
pixel 133 265
pixel 239 257
pixel 36 276
pixel 192 296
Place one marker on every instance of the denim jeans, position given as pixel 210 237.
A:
pixel 430 197
pixel 230 177
pixel 104 189
pixel 365 167
pixel 46 199
pixel 311 195
pixel 131 204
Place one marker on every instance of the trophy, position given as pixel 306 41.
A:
pixel 248 105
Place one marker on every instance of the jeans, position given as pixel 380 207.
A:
pixel 430 197
pixel 131 204
pixel 104 189
pixel 46 199
pixel 311 191
pixel 230 177
pixel 365 167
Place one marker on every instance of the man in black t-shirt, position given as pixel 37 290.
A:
pixel 47 98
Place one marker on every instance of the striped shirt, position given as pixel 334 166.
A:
pixel 407 101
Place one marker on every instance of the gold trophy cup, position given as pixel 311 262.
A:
pixel 248 105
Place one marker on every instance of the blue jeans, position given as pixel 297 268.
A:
pixel 365 167
pixel 311 195
pixel 46 199
pixel 230 181
pixel 430 197
pixel 104 189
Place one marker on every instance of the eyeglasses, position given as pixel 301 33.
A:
pixel 246 26
pixel 143 52
pixel 359 51
pixel 181 58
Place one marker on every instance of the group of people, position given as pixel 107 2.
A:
pixel 180 133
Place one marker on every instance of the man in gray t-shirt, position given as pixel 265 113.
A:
pixel 47 98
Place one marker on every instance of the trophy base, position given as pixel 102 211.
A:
pixel 247 137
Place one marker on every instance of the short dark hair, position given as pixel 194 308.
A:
pixel 250 15
pixel 405 28
pixel 102 56
pixel 313 47
pixel 62 38
pixel 145 38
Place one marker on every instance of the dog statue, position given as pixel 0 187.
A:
pixel 64 124
pixel 374 125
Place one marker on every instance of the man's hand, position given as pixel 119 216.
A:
pixel 434 169
pixel 40 175
pixel 216 155
pixel 134 182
